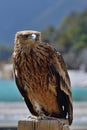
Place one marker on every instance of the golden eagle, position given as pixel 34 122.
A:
pixel 41 76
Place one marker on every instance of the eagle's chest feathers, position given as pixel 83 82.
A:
pixel 37 79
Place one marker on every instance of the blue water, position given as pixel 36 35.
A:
pixel 9 92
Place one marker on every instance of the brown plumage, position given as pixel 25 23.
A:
pixel 41 76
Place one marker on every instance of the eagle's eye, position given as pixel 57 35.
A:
pixel 26 36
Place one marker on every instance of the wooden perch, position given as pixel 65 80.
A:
pixel 60 124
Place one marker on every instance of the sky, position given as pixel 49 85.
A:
pixel 16 15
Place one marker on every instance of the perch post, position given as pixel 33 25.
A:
pixel 60 124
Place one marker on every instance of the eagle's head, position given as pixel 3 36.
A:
pixel 27 36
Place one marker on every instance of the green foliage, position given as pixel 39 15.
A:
pixel 72 33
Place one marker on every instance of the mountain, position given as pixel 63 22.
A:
pixel 18 15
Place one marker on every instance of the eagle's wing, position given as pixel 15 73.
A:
pixel 22 91
pixel 65 85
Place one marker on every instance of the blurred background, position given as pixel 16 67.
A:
pixel 63 23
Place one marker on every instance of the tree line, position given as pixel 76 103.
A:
pixel 70 39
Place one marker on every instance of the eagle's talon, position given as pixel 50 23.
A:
pixel 32 117
pixel 46 118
